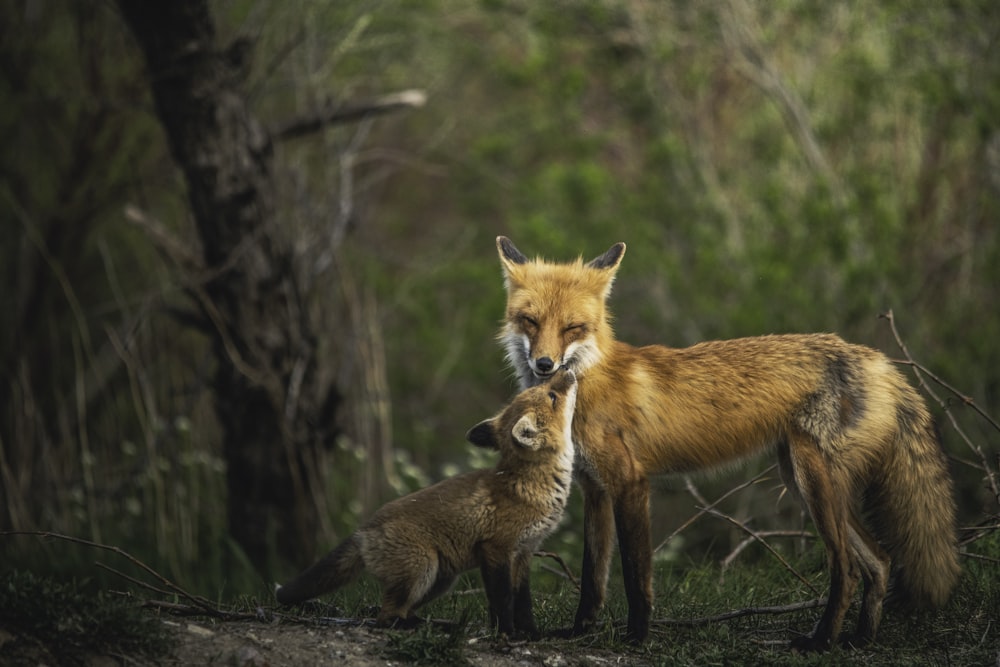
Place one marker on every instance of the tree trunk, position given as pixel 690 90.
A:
pixel 273 415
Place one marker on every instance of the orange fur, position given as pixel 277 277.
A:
pixel 854 440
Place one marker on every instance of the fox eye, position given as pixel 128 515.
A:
pixel 529 321
pixel 553 397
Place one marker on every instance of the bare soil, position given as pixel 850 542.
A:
pixel 253 644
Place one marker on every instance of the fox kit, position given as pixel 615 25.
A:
pixel 854 440
pixel 494 519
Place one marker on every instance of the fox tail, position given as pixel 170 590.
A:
pixel 334 570
pixel 913 511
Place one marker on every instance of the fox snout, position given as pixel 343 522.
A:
pixel 543 366
pixel 563 379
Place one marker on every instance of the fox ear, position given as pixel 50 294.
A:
pixel 610 259
pixel 483 435
pixel 510 259
pixel 609 262
pixel 526 432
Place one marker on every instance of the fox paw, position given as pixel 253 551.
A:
pixel 810 644
pixel 400 623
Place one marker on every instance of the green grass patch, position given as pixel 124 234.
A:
pixel 45 621
pixel 685 632
pixel 52 622
pixel 430 644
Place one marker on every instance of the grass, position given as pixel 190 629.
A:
pixel 51 622
pixel 430 644
pixel 965 631
pixel 64 623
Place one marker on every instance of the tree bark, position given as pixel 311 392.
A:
pixel 274 416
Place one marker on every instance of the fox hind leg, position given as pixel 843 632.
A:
pixel 806 470
pixel 404 591
pixel 874 563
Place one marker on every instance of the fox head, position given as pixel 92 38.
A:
pixel 556 314
pixel 538 421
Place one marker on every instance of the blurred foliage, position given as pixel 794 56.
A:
pixel 772 166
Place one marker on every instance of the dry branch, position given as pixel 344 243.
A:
pixel 335 115
pixel 708 506
pixel 565 568
pixel 742 526
pixel 728 560
pixel 920 371
pixel 206 607
pixel 738 613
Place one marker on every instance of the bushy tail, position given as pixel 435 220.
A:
pixel 333 571
pixel 914 511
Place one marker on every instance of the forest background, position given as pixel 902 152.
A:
pixel 786 166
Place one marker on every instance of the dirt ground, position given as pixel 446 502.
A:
pixel 251 644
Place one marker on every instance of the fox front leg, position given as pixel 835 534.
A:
pixel 631 508
pixel 499 594
pixel 524 617
pixel 598 535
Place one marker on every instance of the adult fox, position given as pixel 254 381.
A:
pixel 854 440
pixel 494 519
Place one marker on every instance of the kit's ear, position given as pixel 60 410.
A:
pixel 483 434
pixel 526 432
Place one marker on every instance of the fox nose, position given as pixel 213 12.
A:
pixel 545 365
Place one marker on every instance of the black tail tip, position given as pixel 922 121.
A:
pixel 284 595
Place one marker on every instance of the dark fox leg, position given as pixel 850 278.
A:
pixel 636 549
pixel 874 563
pixel 524 617
pixel 499 593
pixel 598 532
pixel 827 506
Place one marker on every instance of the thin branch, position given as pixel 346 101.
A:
pixel 742 526
pixel 973 556
pixel 137 582
pixel 918 371
pixel 177 609
pixel 741 35
pixel 728 560
pixel 708 506
pixel 338 115
pixel 565 568
pixel 738 613
pixel 200 602
pixel 967 400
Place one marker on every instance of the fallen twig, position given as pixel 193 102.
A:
pixel 738 613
